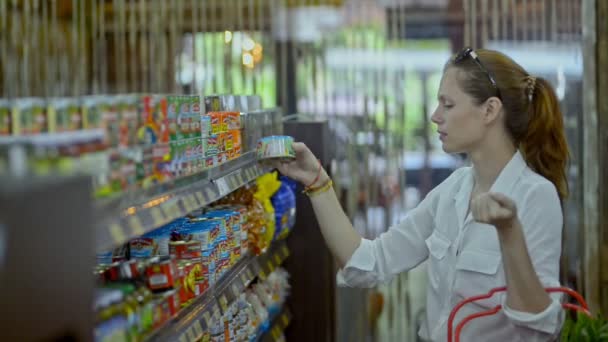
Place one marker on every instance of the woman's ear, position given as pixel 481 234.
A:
pixel 493 109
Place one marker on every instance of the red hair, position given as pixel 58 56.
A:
pixel 532 113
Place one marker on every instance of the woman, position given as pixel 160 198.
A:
pixel 493 224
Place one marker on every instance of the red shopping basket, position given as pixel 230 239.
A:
pixel 455 336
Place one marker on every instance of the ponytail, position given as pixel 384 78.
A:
pixel 543 144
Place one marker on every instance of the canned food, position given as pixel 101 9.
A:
pixel 276 147
pixel 142 248
pixel 162 273
pixel 190 271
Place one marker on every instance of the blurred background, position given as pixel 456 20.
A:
pixel 370 69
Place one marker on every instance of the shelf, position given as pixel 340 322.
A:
pixel 133 214
pixel 190 323
pixel 278 325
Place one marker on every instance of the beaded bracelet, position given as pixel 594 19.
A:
pixel 317 177
pixel 311 192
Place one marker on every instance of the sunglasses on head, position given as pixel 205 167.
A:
pixel 468 52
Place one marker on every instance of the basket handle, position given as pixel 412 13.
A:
pixel 582 308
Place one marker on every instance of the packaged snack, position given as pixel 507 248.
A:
pixel 213 146
pixel 216 122
pixel 231 121
pixel 205 125
pixel 284 203
pixel 276 147
pixel 194 115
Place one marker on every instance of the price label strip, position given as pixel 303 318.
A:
pixel 222 186
pixel 157 216
pixel 135 225
pixel 117 233
pixel 224 303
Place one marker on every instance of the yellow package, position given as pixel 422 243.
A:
pixel 267 186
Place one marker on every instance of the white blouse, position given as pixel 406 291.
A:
pixel 465 258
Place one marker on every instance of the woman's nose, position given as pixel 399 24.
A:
pixel 436 117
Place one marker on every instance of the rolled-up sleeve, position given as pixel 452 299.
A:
pixel 542 221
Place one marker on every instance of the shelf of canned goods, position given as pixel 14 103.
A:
pixel 138 213
pixel 277 326
pixel 195 321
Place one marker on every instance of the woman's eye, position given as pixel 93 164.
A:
pixel 448 106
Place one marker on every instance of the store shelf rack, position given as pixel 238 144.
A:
pixel 278 325
pixel 190 323
pixel 133 214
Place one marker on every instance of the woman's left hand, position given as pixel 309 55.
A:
pixel 495 209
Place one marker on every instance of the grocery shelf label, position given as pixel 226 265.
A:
pixel 136 226
pixel 117 233
pixel 235 290
pixel 277 259
pixel 200 198
pixel 222 186
pixel 198 329
pixel 285 251
pixel 224 303
pixel 157 216
pixel 207 318
pixel 183 338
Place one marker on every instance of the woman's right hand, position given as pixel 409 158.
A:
pixel 304 168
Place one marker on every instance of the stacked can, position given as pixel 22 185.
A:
pixel 184 127
pixel 221 137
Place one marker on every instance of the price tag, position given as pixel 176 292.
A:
pixel 188 203
pixel 198 329
pixel 200 197
pixel 183 338
pixel 157 216
pixel 285 251
pixel 239 178
pixel 222 186
pixel 244 279
pixel 171 210
pixel 118 235
pixel 135 224
pixel 270 266
pixel 235 291
pixel 207 318
pixel 285 320
pixel 277 259
pixel 210 195
pixel 224 303
pixel 190 334
pixel 250 274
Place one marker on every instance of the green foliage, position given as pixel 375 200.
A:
pixel 585 329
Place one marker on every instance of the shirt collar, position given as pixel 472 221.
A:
pixel 503 184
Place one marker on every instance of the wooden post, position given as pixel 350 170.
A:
pixel 602 111
pixel 595 154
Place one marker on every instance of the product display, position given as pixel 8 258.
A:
pixel 135 140
pixel 150 279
